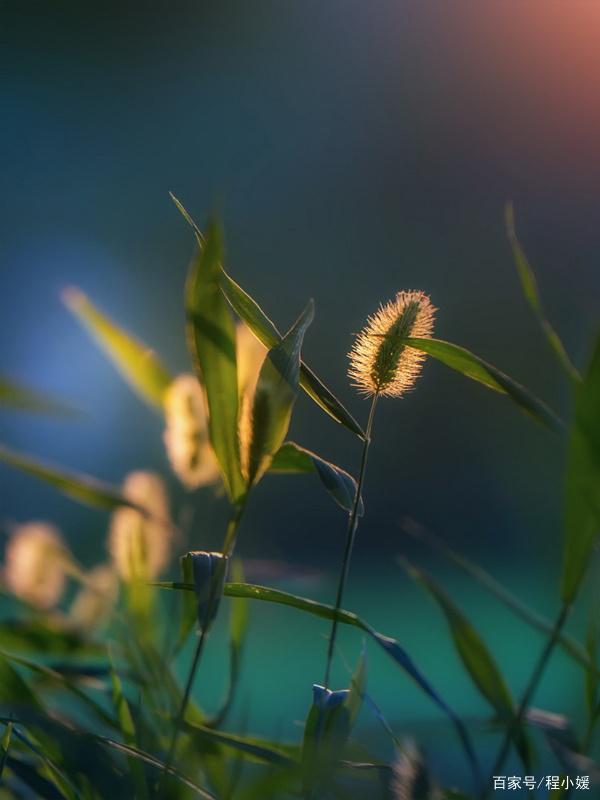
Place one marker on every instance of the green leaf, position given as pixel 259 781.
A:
pixel 326 732
pixel 389 645
pixel 532 295
pixel 582 483
pixel 474 654
pixel 4 747
pixel 252 748
pixel 291 458
pixel 508 599
pixel 211 341
pixel 138 364
pixel 15 693
pixel 264 329
pixel 274 397
pixel 78 486
pixel 471 366
pixel 127 726
pixel 15 395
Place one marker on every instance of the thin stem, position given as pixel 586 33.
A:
pixel 350 537
pixel 228 548
pixel 531 687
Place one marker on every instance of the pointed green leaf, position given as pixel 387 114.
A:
pixel 532 295
pixel 582 484
pixel 211 341
pixel 138 364
pixel 252 748
pixel 508 599
pixel 4 747
pixel 477 659
pixel 16 395
pixel 291 458
pixel 471 366
pixel 264 329
pixel 78 486
pixel 274 397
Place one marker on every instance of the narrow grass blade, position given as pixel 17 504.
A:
pixel 78 486
pixel 211 342
pixel 389 645
pixel 264 329
pixel 238 627
pixel 16 395
pixel 138 364
pixel 4 747
pixel 471 366
pixel 252 748
pixel 582 483
pixel 274 397
pixel 532 295
pixel 475 656
pixel 291 458
pixel 128 731
pixel 508 599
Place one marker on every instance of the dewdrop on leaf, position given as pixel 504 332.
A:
pixel 35 562
pixel 140 544
pixel 186 434
pixel 380 363
pixel 96 599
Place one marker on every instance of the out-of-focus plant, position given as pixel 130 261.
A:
pixel 103 646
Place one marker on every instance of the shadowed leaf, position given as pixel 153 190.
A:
pixel 15 395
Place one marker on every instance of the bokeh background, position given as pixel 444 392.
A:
pixel 352 149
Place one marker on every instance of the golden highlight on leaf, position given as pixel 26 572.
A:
pixel 380 362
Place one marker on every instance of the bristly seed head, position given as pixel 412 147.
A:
pixel 380 362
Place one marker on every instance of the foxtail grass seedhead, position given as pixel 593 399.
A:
pixel 380 363
pixel 186 434
pixel 35 562
pixel 140 544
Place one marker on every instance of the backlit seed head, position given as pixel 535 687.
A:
pixel 410 777
pixel 250 354
pixel 95 600
pixel 140 544
pixel 380 363
pixel 35 562
pixel 186 434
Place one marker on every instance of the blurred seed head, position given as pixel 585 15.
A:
pixel 411 780
pixel 96 599
pixel 186 434
pixel 250 353
pixel 140 544
pixel 36 559
pixel 379 362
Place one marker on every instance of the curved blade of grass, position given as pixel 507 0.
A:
pixel 138 364
pixel 274 397
pixel 128 730
pixel 252 747
pixel 532 295
pixel 471 366
pixel 389 645
pixel 475 656
pixel 508 599
pixel 582 483
pixel 291 458
pixel 16 395
pixel 4 747
pixel 141 755
pixel 264 329
pixel 211 342
pixel 78 486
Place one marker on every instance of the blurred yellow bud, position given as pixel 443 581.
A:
pixel 140 544
pixel 35 562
